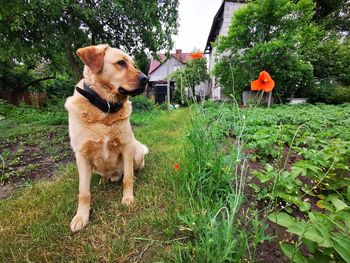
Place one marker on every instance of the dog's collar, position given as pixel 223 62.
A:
pixel 97 101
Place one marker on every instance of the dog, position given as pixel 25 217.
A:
pixel 99 126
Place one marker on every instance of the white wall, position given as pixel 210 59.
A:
pixel 229 10
pixel 161 72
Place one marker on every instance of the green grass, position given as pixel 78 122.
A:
pixel 212 209
pixel 31 135
pixel 35 222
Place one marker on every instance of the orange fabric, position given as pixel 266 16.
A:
pixel 264 82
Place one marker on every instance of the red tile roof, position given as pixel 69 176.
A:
pixel 182 57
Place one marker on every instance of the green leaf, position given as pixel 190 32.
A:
pixel 338 204
pixel 304 206
pixel 293 253
pixel 325 205
pixel 321 257
pixel 342 246
pixel 319 235
pixel 255 187
pixel 292 225
pixel 282 219
pixel 311 245
pixel 318 229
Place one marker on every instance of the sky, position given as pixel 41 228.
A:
pixel 196 18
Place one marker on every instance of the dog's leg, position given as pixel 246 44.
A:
pixel 82 216
pixel 128 180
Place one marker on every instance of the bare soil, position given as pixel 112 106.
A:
pixel 33 157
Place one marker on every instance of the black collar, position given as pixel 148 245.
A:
pixel 97 101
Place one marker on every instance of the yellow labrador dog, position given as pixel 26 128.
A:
pixel 99 126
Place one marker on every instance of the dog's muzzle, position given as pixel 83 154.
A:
pixel 142 83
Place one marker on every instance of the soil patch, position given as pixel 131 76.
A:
pixel 32 157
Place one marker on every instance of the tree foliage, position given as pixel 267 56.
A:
pixel 192 74
pixel 51 30
pixel 334 15
pixel 268 35
pixel 303 44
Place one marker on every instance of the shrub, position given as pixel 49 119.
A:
pixel 62 86
pixel 141 103
pixel 330 92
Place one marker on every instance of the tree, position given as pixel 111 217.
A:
pixel 268 35
pixel 51 30
pixel 192 74
pixel 334 16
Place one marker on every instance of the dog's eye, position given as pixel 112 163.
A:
pixel 122 63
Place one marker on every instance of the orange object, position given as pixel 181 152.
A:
pixel 264 82
pixel 176 167
pixel 197 55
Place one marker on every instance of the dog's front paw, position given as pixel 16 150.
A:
pixel 78 222
pixel 128 200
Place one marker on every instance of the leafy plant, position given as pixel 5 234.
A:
pixel 325 235
pixel 268 35
pixel 192 74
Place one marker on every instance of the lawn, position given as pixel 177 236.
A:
pixel 35 220
pixel 221 184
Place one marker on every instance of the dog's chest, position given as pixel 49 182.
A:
pixel 106 142
pixel 105 148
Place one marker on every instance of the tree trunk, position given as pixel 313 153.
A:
pixel 73 63
pixel 193 91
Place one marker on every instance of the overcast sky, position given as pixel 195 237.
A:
pixel 196 18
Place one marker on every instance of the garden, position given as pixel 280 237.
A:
pixel 225 181
pixel 290 192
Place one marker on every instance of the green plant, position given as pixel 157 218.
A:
pixel 281 185
pixel 212 183
pixel 137 31
pixel 330 92
pixel 192 74
pixel 325 235
pixel 268 35
pixel 141 104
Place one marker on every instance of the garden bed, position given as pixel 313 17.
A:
pixel 33 156
pixel 290 169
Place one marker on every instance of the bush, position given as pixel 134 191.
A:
pixel 62 86
pixel 332 93
pixel 141 103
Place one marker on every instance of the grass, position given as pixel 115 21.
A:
pixel 31 135
pixel 35 221
pixel 239 170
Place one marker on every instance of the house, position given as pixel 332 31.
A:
pixel 220 27
pixel 159 72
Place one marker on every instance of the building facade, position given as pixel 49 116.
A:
pixel 220 27
pixel 160 71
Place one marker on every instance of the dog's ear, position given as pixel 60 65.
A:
pixel 92 57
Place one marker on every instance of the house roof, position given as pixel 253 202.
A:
pixel 182 57
pixel 217 23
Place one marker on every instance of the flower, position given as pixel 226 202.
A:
pixel 176 167
pixel 264 82
pixel 197 55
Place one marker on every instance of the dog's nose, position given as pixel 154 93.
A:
pixel 143 78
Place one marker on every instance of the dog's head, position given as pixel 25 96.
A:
pixel 112 69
